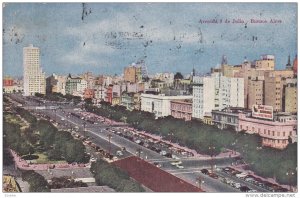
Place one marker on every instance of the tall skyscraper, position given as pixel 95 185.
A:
pixel 34 78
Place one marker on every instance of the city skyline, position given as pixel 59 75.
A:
pixel 106 37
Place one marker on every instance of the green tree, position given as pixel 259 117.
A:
pixel 74 151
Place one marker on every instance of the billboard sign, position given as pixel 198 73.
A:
pixel 262 111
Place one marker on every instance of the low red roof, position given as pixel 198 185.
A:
pixel 154 178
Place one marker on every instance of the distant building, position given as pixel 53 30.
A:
pixel 75 85
pixel 133 74
pixel 273 86
pixel 127 100
pixel 109 94
pixel 255 92
pixel 160 105
pixel 230 70
pixel 34 77
pixel 100 93
pixel 89 94
pixel 8 81
pixel 56 84
pixel 290 104
pixel 90 79
pixel 182 109
pixel 267 62
pixel 10 86
pixel 295 65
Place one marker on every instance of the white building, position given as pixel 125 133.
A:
pixel 203 95
pixel 34 78
pixel 100 93
pixel 159 104
pixel 216 92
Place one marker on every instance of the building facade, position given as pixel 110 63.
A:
pixel 227 118
pixel 290 101
pixel 267 62
pixel 203 96
pixel 255 92
pixel 182 109
pixel 276 133
pixel 216 92
pixel 160 105
pixel 133 74
pixel 34 77
pixel 75 85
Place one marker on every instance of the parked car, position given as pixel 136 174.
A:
pixel 244 188
pixel 179 166
pixel 204 171
pixel 237 185
pixel 158 165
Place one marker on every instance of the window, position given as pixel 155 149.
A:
pixel 273 133
pixel 284 134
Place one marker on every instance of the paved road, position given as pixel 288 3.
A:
pixel 99 135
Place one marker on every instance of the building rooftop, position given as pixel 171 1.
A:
pixel 75 172
pixel 154 178
pixel 85 189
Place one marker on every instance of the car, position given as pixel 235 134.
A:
pixel 176 163
pixel 241 175
pixel 119 153
pixel 163 153
pixel 252 191
pixel 158 165
pixel 237 185
pixel 93 160
pixel 175 157
pixel 204 171
pixel 179 166
pixel 244 189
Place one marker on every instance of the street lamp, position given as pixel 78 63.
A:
pixel 109 137
pixel 139 151
pixel 84 128
pixel 211 149
pixel 290 174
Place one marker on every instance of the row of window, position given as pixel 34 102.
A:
pixel 274 141
pixel 269 132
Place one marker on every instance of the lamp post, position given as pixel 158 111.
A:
pixel 84 128
pixel 109 138
pixel 211 149
pixel 139 151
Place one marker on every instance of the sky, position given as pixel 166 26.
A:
pixel 106 37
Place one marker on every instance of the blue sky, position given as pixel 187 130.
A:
pixel 169 37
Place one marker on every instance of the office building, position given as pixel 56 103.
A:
pixel 34 78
